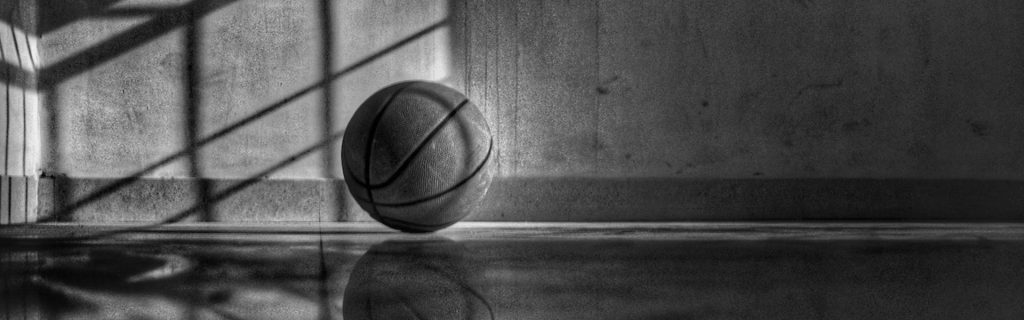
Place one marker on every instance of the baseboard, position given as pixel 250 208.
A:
pixel 659 199
pixel 228 200
pixel 18 201
pixel 546 199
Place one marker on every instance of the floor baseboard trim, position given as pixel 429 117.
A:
pixel 547 199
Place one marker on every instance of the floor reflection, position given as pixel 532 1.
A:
pixel 426 279
pixel 430 277
pixel 168 280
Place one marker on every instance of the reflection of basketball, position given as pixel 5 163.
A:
pixel 416 156
pixel 431 279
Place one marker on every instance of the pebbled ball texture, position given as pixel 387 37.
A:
pixel 417 156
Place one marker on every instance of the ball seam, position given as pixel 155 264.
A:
pixel 402 166
pixel 442 192
pixel 369 143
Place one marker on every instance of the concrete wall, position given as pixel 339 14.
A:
pixel 242 80
pixel 774 89
pixel 590 96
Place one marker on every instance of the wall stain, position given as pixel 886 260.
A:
pixel 979 128
pixel 598 144
pixel 818 87
pixel 788 142
pixel 806 4
pixel 605 87
pixel 747 101
pixel 710 154
pixel 920 150
pixel 852 126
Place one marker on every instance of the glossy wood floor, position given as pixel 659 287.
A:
pixel 515 271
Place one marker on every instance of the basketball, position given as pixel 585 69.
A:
pixel 417 156
pixel 421 279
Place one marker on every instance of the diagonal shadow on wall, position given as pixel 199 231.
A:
pixel 166 21
pixel 64 211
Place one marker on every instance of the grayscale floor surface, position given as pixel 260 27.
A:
pixel 515 271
